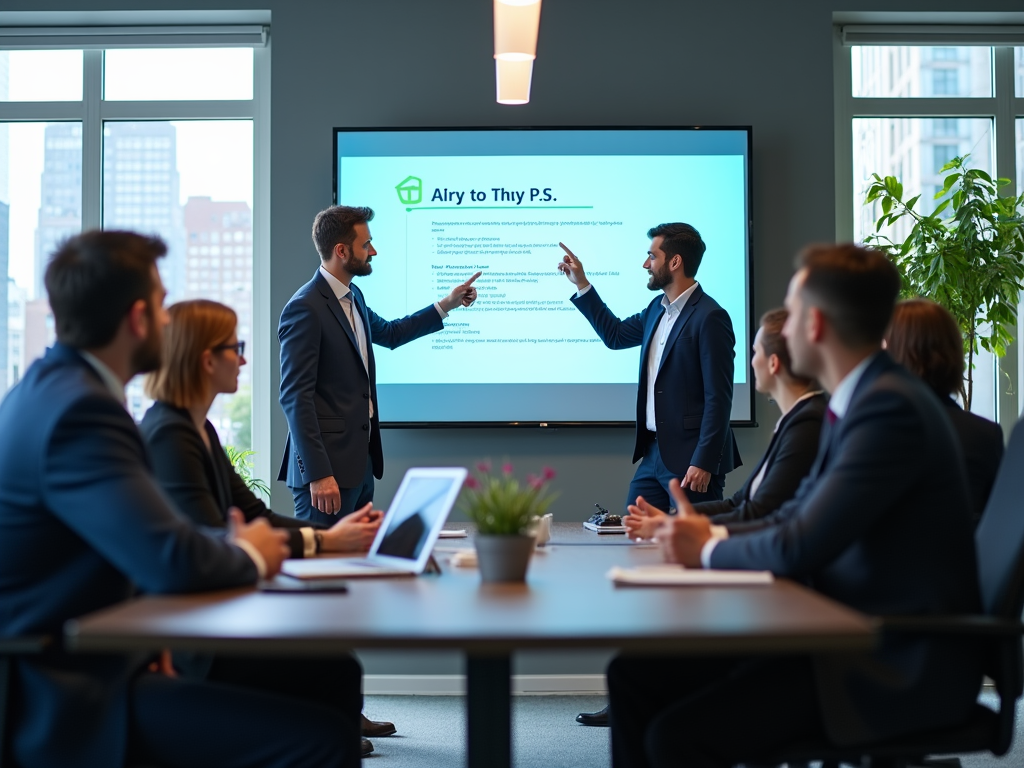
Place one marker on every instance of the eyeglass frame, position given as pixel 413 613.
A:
pixel 238 346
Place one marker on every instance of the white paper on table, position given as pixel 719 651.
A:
pixel 447 533
pixel 679 576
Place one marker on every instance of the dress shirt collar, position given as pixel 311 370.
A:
pixel 340 289
pixel 840 400
pixel 675 307
pixel 110 379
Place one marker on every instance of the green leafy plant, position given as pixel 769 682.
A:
pixel 241 460
pixel 971 262
pixel 502 506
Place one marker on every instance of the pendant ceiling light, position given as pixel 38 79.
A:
pixel 516 23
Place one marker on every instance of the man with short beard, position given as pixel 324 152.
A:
pixel 84 525
pixel 684 400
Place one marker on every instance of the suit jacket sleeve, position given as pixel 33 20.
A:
pixel 798 445
pixel 717 353
pixel 299 333
pixel 395 333
pixel 721 511
pixel 615 333
pixel 179 463
pixel 830 514
pixel 103 490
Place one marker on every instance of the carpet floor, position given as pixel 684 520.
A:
pixel 432 734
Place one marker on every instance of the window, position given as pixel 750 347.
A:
pixel 907 110
pixel 157 140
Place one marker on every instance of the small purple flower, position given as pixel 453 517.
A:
pixel 483 467
pixel 536 483
pixel 472 483
pixel 507 468
pixel 549 474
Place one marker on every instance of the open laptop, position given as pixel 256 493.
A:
pixel 407 533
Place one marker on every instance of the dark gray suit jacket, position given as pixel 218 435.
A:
pixel 788 459
pixel 882 524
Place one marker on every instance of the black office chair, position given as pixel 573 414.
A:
pixel 999 540
pixel 11 647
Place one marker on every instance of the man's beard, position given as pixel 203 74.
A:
pixel 150 354
pixel 659 280
pixel 360 269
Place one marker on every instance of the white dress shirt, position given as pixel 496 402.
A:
pixel 344 294
pixel 657 349
pixel 116 387
pixel 838 403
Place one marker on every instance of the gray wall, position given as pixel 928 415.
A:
pixel 601 62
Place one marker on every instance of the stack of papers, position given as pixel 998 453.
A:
pixel 679 576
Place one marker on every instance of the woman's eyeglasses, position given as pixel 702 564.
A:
pixel 238 346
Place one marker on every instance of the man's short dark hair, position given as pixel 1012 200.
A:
pixel 681 239
pixel 854 287
pixel 94 278
pixel 337 224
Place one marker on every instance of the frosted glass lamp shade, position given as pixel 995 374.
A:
pixel 516 23
pixel 513 80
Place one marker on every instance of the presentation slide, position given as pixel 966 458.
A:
pixel 449 204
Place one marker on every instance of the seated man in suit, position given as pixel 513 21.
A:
pixel 924 338
pixel 83 523
pixel 882 524
pixel 790 453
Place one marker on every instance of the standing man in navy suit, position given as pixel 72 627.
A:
pixel 684 400
pixel 328 376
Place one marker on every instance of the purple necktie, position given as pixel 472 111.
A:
pixel 831 415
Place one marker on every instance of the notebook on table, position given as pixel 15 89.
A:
pixel 407 533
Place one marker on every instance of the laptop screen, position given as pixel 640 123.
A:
pixel 414 514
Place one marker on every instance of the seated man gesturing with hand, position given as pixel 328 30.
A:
pixel 790 453
pixel 881 523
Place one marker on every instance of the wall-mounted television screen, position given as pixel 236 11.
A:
pixel 449 203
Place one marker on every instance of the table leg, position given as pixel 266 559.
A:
pixel 489 711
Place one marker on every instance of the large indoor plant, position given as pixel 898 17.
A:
pixel 971 261
pixel 503 509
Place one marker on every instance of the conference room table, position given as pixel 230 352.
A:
pixel 566 602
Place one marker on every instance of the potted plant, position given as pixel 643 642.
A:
pixel 503 509
pixel 971 262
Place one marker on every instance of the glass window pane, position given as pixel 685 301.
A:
pixel 40 205
pixel 191 183
pixel 914 150
pixel 1018 74
pixel 177 74
pixel 889 71
pixel 40 75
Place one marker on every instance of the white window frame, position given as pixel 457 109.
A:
pixel 1003 108
pixel 92 111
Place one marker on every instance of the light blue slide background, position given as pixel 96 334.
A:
pixel 523 353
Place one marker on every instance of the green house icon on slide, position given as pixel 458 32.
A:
pixel 410 190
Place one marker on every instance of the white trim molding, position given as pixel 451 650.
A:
pixel 455 685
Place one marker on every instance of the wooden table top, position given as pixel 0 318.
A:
pixel 566 602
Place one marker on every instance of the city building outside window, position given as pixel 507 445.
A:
pixel 905 111
pixel 157 141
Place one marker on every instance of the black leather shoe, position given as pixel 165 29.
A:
pixel 365 747
pixel 376 728
pixel 599 718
